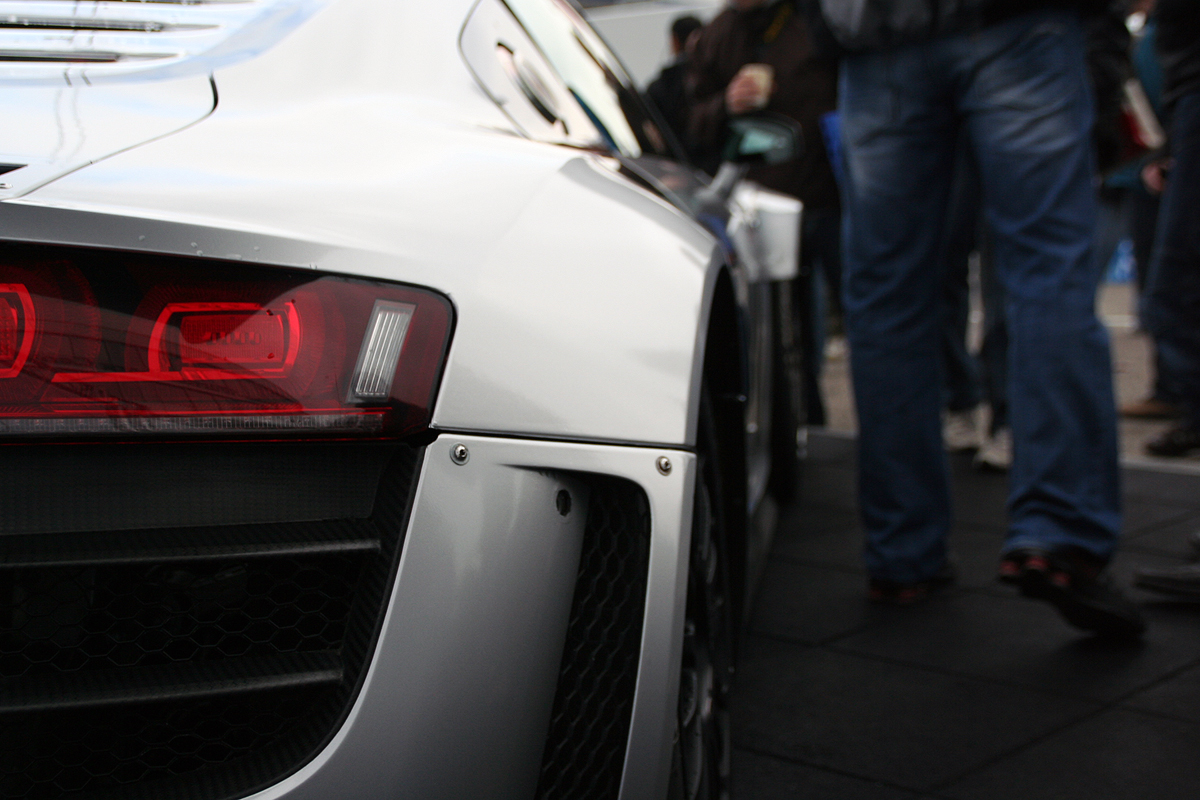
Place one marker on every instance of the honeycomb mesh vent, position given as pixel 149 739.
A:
pixel 584 755
pixel 199 663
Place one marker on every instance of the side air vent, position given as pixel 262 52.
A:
pixel 584 755
pixel 120 36
pixel 6 168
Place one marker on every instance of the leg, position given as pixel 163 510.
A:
pixel 1165 394
pixel 963 390
pixel 821 253
pixel 1173 294
pixel 993 352
pixel 898 134
pixel 1029 110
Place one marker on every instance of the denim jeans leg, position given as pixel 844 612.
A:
pixel 993 352
pixel 964 387
pixel 1173 293
pixel 819 245
pixel 1028 107
pixel 899 149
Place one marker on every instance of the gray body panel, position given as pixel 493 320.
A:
pixel 457 700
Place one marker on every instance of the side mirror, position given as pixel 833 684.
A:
pixel 763 139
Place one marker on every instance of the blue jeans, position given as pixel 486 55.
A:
pixel 970 380
pixel 820 266
pixel 1019 92
pixel 1172 301
pixel 964 383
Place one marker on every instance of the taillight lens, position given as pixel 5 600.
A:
pixel 17 324
pixel 183 348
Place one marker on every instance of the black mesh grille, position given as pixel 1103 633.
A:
pixel 71 619
pixel 191 663
pixel 589 728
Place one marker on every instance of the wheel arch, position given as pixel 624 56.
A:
pixel 723 373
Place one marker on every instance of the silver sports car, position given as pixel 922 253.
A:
pixel 384 410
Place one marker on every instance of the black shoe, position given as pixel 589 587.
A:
pixel 881 590
pixel 1181 581
pixel 1074 584
pixel 1175 441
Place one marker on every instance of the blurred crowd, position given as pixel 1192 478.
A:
pixel 1007 144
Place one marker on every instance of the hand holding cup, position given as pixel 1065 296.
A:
pixel 750 89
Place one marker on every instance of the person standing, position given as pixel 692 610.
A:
pixel 1011 78
pixel 760 55
pixel 667 91
pixel 1173 293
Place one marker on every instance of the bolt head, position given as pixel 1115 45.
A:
pixel 664 465
pixel 459 454
pixel 563 502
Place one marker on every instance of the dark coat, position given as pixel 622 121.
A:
pixel 805 89
pixel 667 93
pixel 1108 44
pixel 1179 47
pixel 876 24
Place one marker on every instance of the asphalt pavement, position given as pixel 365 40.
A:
pixel 976 694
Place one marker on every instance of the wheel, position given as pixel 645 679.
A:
pixel 788 417
pixel 703 746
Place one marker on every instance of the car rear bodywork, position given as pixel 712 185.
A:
pixel 300 616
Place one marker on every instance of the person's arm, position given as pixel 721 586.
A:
pixel 706 117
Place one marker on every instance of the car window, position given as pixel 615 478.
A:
pixel 515 74
pixel 592 74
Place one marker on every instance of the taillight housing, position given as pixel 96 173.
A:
pixel 101 345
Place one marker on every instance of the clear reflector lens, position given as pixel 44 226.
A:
pixel 381 350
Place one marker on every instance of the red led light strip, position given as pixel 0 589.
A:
pixel 159 358
pixel 27 328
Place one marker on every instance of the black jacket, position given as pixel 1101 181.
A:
pixel 878 24
pixel 805 90
pixel 1179 47
pixel 668 95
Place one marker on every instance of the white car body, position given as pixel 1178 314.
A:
pixel 356 141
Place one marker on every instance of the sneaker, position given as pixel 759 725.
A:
pixel 996 452
pixel 1179 440
pixel 1075 585
pixel 960 430
pixel 881 590
pixel 1151 408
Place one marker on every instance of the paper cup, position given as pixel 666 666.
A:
pixel 763 76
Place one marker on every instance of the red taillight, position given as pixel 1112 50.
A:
pixel 17 322
pixel 256 338
pixel 181 348
pixel 10 333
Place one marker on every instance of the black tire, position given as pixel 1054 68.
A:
pixel 703 744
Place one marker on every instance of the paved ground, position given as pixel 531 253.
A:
pixel 977 694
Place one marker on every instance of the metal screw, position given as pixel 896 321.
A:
pixel 664 465
pixel 459 454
